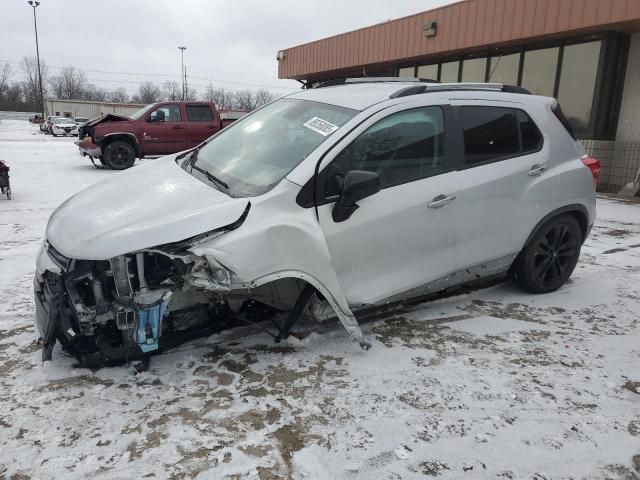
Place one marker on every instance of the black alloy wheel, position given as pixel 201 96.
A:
pixel 119 155
pixel 549 259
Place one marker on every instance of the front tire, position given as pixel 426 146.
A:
pixel 119 155
pixel 549 259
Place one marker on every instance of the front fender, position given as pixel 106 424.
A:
pixel 277 240
pixel 130 136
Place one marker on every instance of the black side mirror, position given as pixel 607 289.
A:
pixel 358 184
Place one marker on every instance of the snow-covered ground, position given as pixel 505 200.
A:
pixel 491 384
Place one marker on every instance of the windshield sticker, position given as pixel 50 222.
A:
pixel 321 126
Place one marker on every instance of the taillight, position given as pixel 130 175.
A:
pixel 594 165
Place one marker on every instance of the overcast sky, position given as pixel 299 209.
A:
pixel 120 43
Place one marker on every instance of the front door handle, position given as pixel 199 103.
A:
pixel 442 201
pixel 537 170
pixel 177 127
pixel 210 127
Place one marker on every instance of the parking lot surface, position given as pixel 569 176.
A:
pixel 493 383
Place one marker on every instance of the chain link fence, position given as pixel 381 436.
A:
pixel 620 162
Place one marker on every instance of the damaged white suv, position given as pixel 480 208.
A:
pixel 322 203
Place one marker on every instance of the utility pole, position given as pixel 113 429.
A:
pixel 182 71
pixel 186 85
pixel 34 4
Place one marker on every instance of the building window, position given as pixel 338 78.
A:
pixel 474 70
pixel 406 72
pixel 578 82
pixel 449 72
pixel 428 72
pixel 504 69
pixel 539 71
pixel 490 134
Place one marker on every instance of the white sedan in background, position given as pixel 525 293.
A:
pixel 64 126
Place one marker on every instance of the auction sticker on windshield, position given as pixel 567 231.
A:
pixel 321 126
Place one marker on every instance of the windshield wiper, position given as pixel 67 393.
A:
pixel 209 175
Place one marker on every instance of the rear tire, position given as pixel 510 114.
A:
pixel 547 262
pixel 119 155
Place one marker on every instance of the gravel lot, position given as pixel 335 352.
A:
pixel 493 383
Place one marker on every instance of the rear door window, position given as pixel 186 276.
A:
pixel 490 134
pixel 199 113
pixel 496 133
pixel 403 147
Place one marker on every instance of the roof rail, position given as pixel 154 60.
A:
pixel 351 81
pixel 459 87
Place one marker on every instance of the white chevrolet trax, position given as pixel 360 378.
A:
pixel 335 199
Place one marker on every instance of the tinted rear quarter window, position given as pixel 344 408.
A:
pixel 199 113
pixel 531 136
pixel 490 133
pixel 557 111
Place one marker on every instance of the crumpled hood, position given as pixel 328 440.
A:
pixel 107 117
pixel 143 207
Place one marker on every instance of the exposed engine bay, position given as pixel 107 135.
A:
pixel 133 305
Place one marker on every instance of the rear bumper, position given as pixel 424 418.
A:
pixel 88 148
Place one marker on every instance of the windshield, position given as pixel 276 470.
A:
pixel 140 113
pixel 81 119
pixel 62 120
pixel 256 152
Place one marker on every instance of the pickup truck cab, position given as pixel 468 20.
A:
pixel 158 129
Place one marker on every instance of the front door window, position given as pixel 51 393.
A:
pixel 166 113
pixel 400 148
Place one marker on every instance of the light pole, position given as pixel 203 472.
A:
pixel 182 49
pixel 34 4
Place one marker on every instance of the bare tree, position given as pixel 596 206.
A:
pixel 30 85
pixel 172 90
pixel 244 100
pixel 119 95
pixel 262 97
pixel 190 93
pixel 222 97
pixel 5 75
pixel 147 93
pixel 13 99
pixel 70 84
pixel 95 94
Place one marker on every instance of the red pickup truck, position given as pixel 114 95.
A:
pixel 155 130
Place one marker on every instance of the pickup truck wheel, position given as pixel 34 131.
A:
pixel 119 155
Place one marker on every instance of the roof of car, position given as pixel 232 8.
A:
pixel 356 96
pixel 361 93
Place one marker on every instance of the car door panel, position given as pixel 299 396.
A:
pixel 164 137
pixel 394 243
pixel 498 203
pixel 202 122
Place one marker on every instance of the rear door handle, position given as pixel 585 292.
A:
pixel 442 201
pixel 537 170
pixel 210 127
pixel 177 127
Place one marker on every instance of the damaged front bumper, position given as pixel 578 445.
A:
pixel 127 307
pixel 87 148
